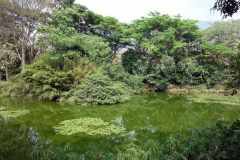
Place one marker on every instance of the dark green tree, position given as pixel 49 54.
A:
pixel 226 7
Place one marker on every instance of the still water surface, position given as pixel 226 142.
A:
pixel 145 116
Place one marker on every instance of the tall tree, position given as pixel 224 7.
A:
pixel 164 35
pixel 7 57
pixel 115 34
pixel 64 38
pixel 19 20
pixel 220 41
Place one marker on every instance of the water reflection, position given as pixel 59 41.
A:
pixel 17 140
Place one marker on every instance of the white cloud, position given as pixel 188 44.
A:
pixel 129 10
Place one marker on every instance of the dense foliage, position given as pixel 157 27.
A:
pixel 59 50
pixel 159 51
pixel 100 89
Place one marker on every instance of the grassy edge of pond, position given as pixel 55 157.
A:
pixel 220 140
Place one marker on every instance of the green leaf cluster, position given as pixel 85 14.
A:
pixel 117 73
pixel 90 126
pixel 100 89
pixel 46 83
pixel 12 114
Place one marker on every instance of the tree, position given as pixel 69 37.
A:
pixel 226 7
pixel 19 20
pixel 162 34
pixel 62 3
pixel 7 57
pixel 63 39
pixel 234 82
pixel 114 32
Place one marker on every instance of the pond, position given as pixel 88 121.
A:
pixel 146 116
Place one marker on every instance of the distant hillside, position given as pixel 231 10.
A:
pixel 204 24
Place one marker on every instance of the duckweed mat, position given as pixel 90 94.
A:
pixel 12 114
pixel 2 108
pixel 90 126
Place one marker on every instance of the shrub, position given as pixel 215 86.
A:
pixel 82 69
pixel 117 73
pixel 218 87
pixel 201 87
pixel 17 86
pixel 100 89
pixel 172 86
pixel 41 81
pixel 158 82
pixel 3 89
pixel 48 84
pixel 189 87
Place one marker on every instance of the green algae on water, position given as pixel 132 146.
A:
pixel 2 108
pixel 12 114
pixel 90 126
pixel 215 98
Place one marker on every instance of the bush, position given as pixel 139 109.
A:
pixel 48 84
pixel 189 87
pixel 218 87
pixel 158 82
pixel 82 69
pixel 18 87
pixel 51 77
pixel 117 73
pixel 100 89
pixel 41 81
pixel 3 89
pixel 201 87
pixel 171 86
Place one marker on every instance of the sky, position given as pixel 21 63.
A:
pixel 129 10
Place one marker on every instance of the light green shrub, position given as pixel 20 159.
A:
pixel 100 89
pixel 17 86
pixel 117 73
pixel 3 89
pixel 201 87
pixel 218 87
pixel 48 84
pixel 82 69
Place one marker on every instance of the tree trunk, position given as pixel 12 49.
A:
pixel 7 75
pixel 31 58
pixel 23 60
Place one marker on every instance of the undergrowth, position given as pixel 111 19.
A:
pixel 220 140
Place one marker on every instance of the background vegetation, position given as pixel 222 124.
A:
pixel 66 43
pixel 64 51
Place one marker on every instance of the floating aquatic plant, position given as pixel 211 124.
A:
pixel 90 126
pixel 215 98
pixel 2 108
pixel 12 114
